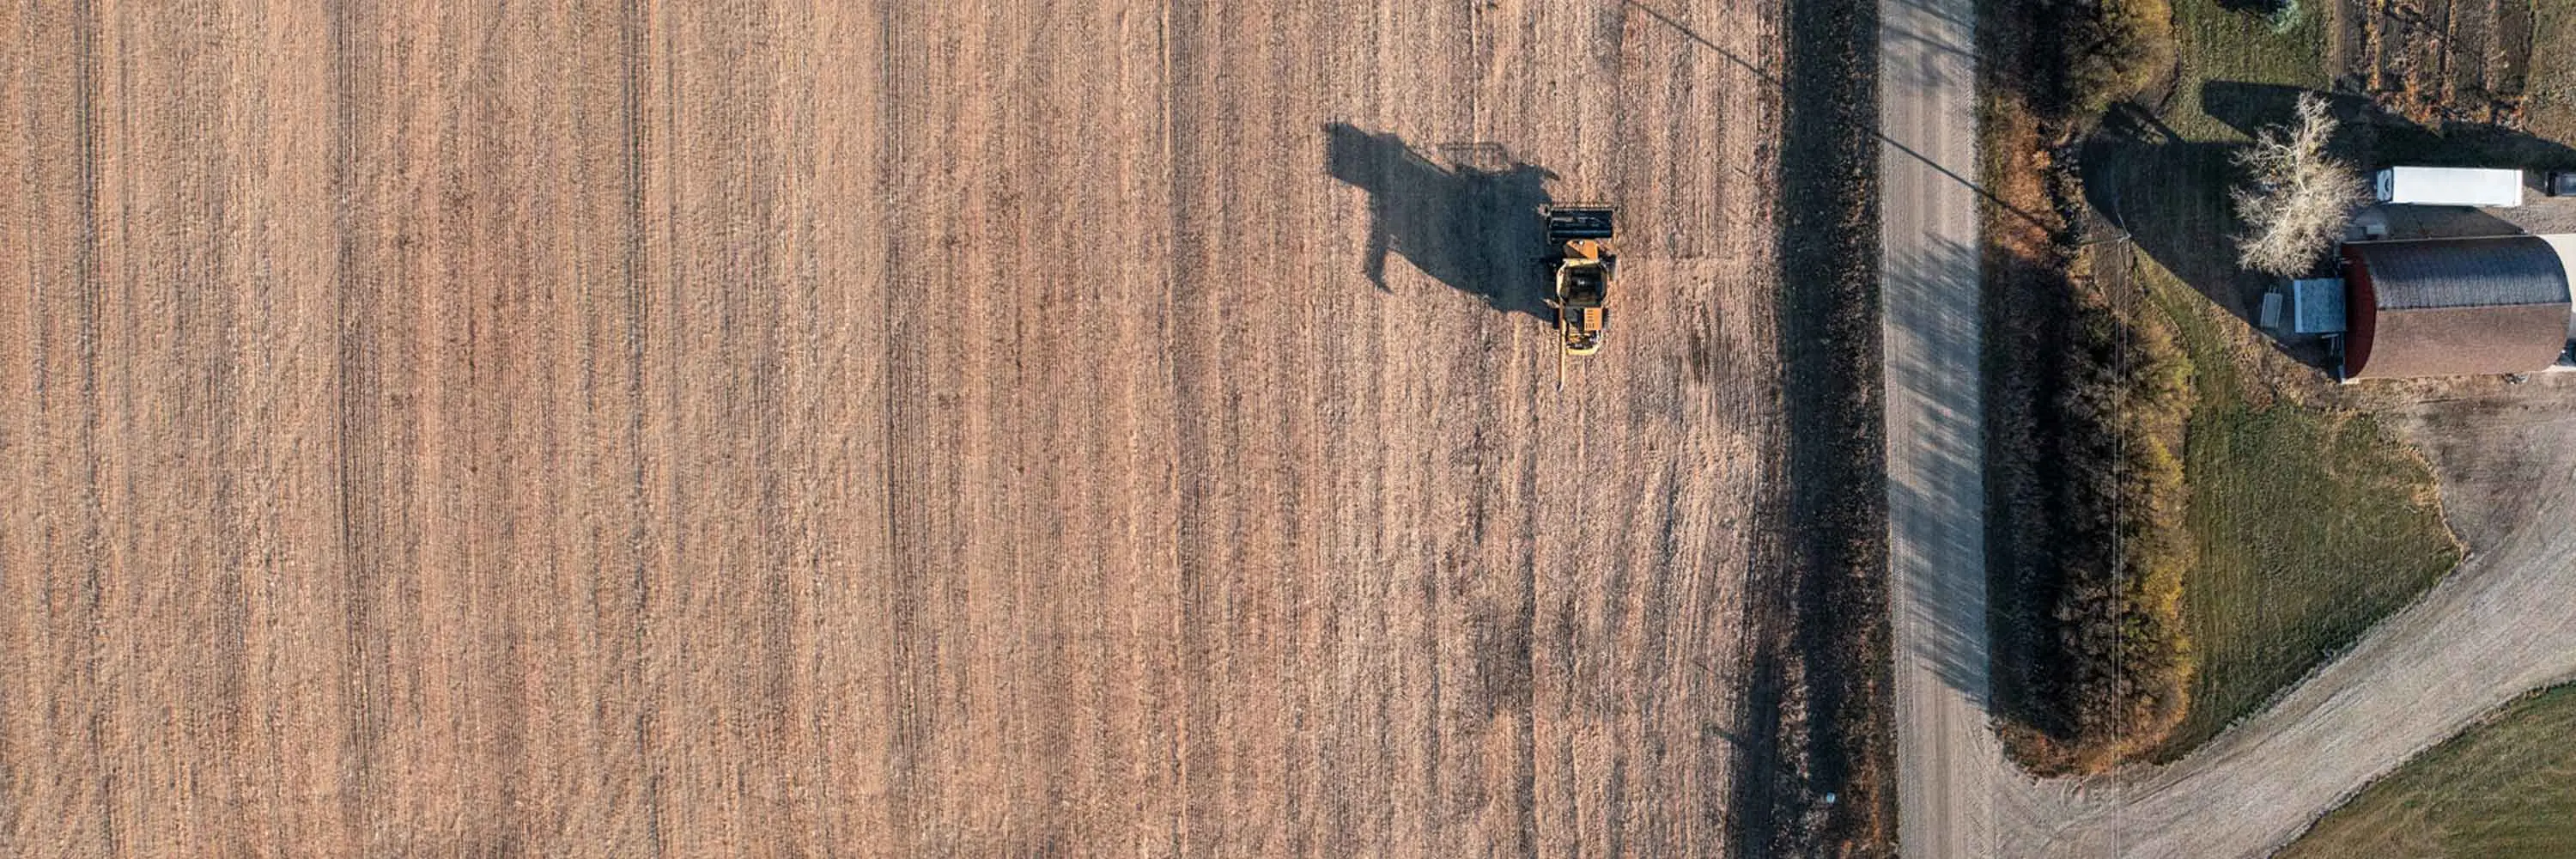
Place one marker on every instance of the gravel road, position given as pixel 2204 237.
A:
pixel 1948 762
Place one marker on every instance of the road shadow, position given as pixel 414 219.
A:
pixel 1815 774
pixel 1471 223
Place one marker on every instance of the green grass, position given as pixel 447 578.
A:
pixel 2498 791
pixel 2219 45
pixel 2307 524
pixel 2310 526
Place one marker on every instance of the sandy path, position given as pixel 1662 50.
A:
pixel 628 428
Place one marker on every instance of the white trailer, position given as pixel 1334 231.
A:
pixel 2450 186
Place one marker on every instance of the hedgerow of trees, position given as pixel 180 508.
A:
pixel 2107 50
pixel 2125 656
pixel 2095 654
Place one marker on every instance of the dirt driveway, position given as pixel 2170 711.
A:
pixel 2506 456
pixel 648 428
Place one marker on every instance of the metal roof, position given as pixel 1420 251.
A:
pixel 2454 307
pixel 2466 341
pixel 2317 305
pixel 2495 271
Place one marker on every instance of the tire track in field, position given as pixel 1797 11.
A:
pixel 727 494
pixel 15 319
pixel 634 678
pixel 1171 762
pixel 913 729
pixel 360 485
pixel 86 285
pixel 894 758
pixel 224 408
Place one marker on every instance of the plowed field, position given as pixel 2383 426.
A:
pixel 908 429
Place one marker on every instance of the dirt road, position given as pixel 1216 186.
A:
pixel 1948 761
pixel 635 428
pixel 2496 628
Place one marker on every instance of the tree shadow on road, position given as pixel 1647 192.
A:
pixel 1472 224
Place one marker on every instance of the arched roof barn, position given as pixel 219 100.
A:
pixel 2456 307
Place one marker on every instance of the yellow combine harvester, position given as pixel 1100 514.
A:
pixel 1580 257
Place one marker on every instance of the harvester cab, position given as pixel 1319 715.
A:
pixel 1581 260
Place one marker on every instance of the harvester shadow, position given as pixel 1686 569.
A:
pixel 1472 226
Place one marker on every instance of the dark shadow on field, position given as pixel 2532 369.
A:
pixel 1474 226
pixel 2251 107
pixel 2394 140
pixel 2261 8
pixel 2170 195
pixel 2373 138
pixel 1815 775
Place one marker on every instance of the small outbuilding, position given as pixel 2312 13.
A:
pixel 2456 307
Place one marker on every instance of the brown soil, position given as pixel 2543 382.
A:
pixel 2436 61
pixel 626 429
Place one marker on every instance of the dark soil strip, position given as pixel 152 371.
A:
pixel 1819 741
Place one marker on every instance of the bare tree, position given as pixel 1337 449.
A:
pixel 2297 198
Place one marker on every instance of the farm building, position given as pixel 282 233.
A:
pixel 2454 307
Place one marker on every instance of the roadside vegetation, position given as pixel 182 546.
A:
pixel 2087 546
pixel 2499 790
pixel 1819 775
pixel 2184 518
pixel 2104 51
